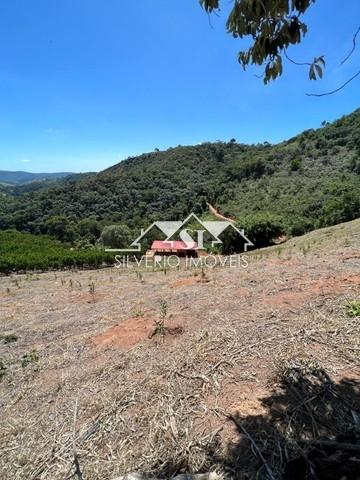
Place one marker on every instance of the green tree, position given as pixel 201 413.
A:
pixel 354 164
pixel 89 229
pixel 262 228
pixel 115 236
pixel 62 228
pixel 295 164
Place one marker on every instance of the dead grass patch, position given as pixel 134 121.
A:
pixel 166 407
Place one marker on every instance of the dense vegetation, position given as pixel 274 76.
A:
pixel 309 181
pixel 23 251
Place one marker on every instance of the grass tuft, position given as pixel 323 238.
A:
pixel 353 308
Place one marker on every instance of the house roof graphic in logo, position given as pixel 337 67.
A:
pixel 171 229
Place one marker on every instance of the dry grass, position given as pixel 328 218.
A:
pixel 253 341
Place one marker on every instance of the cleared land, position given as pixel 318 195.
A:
pixel 259 362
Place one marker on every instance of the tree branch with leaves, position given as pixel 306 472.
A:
pixel 274 26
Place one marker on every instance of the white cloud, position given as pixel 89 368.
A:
pixel 25 160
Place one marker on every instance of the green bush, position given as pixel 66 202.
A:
pixel 353 308
pixel 9 338
pixel 295 164
pixel 262 228
pixel 354 165
pixel 300 225
pixel 115 236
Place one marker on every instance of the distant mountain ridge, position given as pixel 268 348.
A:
pixel 309 181
pixel 20 177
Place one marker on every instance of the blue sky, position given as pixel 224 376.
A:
pixel 86 83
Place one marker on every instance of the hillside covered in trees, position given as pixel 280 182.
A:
pixel 306 182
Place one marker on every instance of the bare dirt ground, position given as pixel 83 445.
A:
pixel 261 361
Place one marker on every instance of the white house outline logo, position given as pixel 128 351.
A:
pixel 170 228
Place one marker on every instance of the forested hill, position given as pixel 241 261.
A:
pixel 309 181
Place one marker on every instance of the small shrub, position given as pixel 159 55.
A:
pixel 27 358
pixel 353 309
pixel 139 276
pixel 92 290
pixel 295 164
pixel 203 277
pixel 163 309
pixel 138 311
pixel 160 328
pixel 2 369
pixel 305 249
pixel 8 338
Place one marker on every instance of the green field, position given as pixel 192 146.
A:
pixel 23 251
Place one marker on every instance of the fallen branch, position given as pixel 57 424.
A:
pixel 253 443
pixel 348 447
pixel 78 472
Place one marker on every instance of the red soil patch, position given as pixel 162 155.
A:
pixel 87 298
pixel 183 282
pixel 243 292
pixel 126 334
pixel 284 300
pixel 175 330
pixel 281 261
pixel 353 279
pixel 131 332
pixel 310 290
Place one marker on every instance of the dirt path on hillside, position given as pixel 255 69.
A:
pixel 218 215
